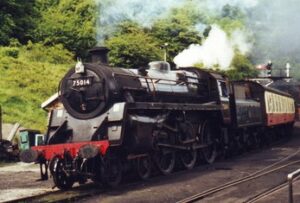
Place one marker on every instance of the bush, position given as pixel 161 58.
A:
pixel 51 54
pixel 241 68
pixel 133 50
pixel 10 52
pixel 28 80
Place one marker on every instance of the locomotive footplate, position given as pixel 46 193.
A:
pixel 175 106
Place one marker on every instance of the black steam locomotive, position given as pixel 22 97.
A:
pixel 116 120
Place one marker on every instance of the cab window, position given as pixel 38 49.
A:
pixel 223 91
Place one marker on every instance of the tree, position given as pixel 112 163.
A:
pixel 232 12
pixel 67 22
pixel 132 47
pixel 133 50
pixel 241 68
pixel 178 30
pixel 17 19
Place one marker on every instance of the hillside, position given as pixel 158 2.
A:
pixel 28 76
pixel 39 40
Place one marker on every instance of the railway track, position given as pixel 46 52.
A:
pixel 91 189
pixel 261 173
pixel 268 192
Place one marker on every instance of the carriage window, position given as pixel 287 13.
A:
pixel 222 89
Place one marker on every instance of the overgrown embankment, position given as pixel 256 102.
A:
pixel 28 76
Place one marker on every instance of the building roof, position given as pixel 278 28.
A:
pixel 53 99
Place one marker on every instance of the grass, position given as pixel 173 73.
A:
pixel 28 76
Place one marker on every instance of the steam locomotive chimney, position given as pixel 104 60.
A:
pixel 99 54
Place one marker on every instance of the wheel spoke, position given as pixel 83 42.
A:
pixel 188 158
pixel 207 137
pixel 165 161
pixel 144 167
pixel 112 171
pixel 62 180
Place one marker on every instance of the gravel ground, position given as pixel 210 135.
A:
pixel 20 180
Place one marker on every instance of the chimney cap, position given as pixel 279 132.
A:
pixel 98 54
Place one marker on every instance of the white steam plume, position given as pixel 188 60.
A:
pixel 239 40
pixel 216 51
pixel 144 12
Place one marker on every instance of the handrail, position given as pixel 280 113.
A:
pixel 290 178
pixel 154 78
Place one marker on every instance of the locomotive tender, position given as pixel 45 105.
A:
pixel 115 120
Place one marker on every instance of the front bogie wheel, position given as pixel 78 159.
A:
pixel 61 178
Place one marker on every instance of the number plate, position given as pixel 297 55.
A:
pixel 82 82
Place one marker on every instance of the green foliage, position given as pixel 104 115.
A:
pixel 241 68
pixel 9 51
pixel 134 46
pixel 199 65
pixel 17 19
pixel 228 25
pixel 67 22
pixel 189 14
pixel 26 81
pixel 55 54
pixel 133 50
pixel 230 19
pixel 128 27
pixel 232 12
pixel 6 30
pixel 177 30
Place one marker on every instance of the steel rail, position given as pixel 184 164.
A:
pixel 269 192
pixel 231 184
pixel 250 177
pixel 266 193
